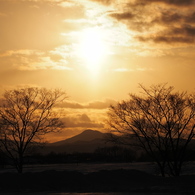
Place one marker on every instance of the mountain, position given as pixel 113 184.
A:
pixel 87 141
pixel 85 136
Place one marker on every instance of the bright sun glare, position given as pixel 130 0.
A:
pixel 93 48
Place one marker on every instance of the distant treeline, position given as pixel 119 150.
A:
pixel 114 154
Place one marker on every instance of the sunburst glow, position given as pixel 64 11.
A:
pixel 93 48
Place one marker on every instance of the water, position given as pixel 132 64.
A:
pixel 108 193
pixel 114 193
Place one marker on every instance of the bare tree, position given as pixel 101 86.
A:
pixel 162 121
pixel 25 116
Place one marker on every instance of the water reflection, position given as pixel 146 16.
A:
pixel 113 193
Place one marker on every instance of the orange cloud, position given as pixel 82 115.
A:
pixel 34 24
pixel 81 121
pixel 91 105
pixel 158 21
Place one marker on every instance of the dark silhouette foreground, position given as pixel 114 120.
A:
pixel 26 115
pixel 120 180
pixel 162 123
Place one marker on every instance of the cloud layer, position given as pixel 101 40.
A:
pixel 81 121
pixel 90 105
pixel 159 21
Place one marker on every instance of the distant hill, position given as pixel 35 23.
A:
pixel 87 135
pixel 87 141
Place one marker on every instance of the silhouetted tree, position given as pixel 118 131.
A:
pixel 25 116
pixel 161 120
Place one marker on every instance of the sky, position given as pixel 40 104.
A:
pixel 98 51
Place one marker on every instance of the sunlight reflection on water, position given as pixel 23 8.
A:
pixel 95 194
pixel 112 193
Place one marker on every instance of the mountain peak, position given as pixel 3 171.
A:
pixel 87 135
pixel 90 131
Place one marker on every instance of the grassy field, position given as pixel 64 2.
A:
pixel 95 178
pixel 148 167
pixel 86 167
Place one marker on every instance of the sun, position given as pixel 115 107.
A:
pixel 93 48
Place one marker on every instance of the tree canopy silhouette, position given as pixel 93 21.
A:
pixel 161 120
pixel 25 116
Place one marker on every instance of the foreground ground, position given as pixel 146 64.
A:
pixel 93 180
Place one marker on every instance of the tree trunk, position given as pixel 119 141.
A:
pixel 162 169
pixel 20 163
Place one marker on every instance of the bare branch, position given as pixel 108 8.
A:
pixel 26 115
pixel 162 120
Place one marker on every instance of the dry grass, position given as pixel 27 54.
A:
pixel 94 178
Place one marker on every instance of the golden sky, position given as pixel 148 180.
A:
pixel 96 50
